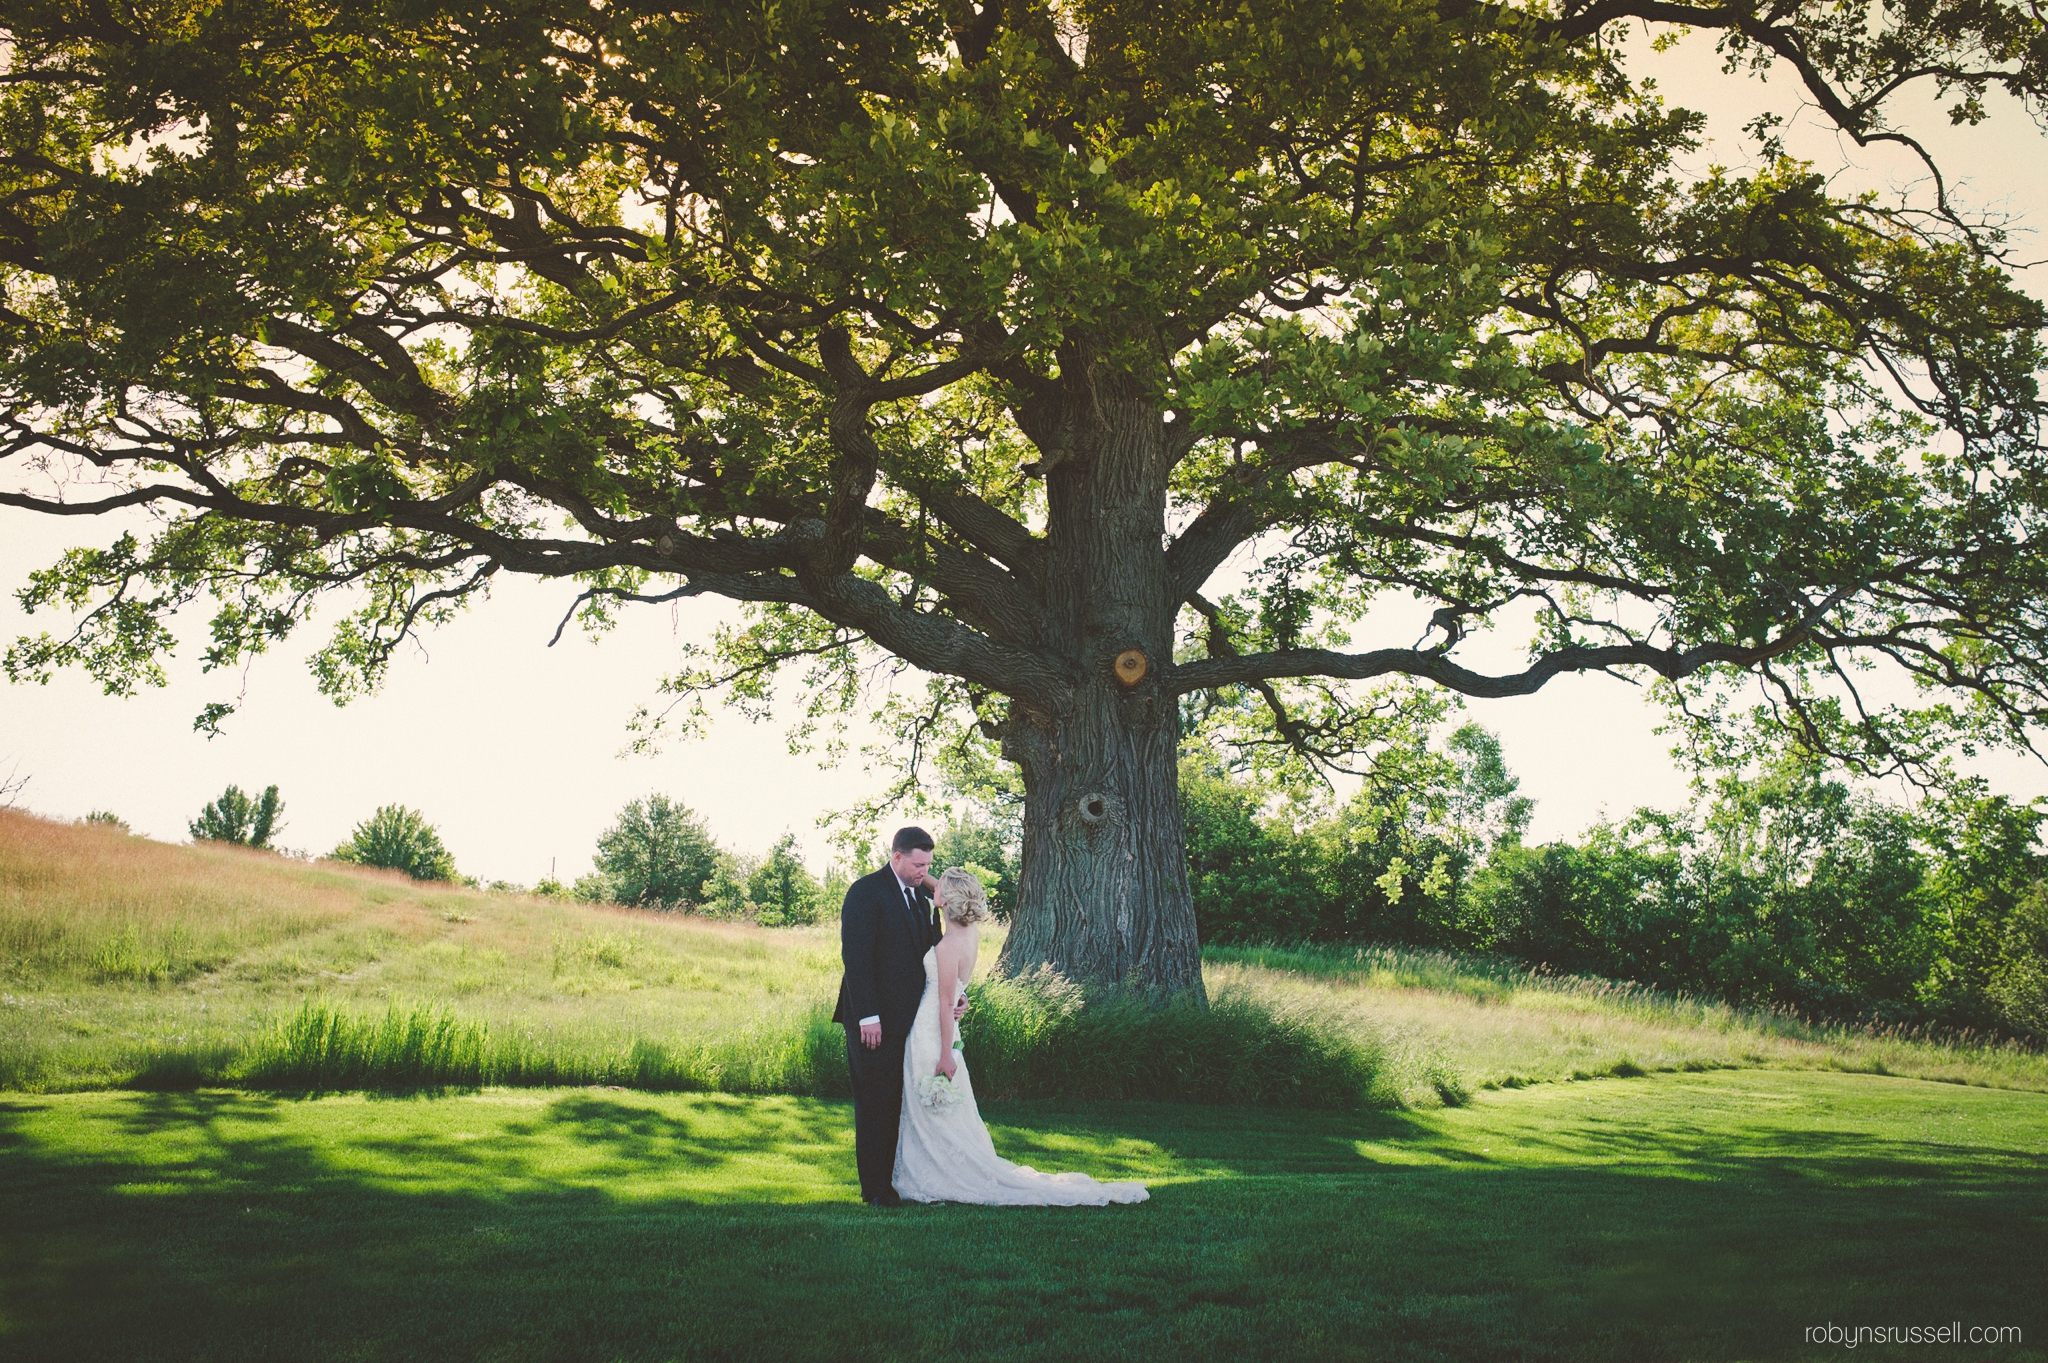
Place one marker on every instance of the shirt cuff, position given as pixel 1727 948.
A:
pixel 865 1021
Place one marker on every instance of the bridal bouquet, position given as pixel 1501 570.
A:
pixel 939 1093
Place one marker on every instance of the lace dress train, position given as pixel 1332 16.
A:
pixel 945 1155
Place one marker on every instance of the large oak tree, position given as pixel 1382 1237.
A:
pixel 983 337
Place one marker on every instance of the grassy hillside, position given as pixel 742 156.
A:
pixel 125 961
pixel 1494 1024
pixel 121 957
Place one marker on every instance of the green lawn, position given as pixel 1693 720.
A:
pixel 1679 1216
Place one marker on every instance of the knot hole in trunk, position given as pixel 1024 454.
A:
pixel 1092 817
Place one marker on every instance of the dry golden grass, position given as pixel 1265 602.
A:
pixel 120 956
pixel 67 891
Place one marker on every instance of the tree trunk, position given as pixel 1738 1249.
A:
pixel 1103 894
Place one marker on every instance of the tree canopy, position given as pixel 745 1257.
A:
pixel 658 855
pixel 984 338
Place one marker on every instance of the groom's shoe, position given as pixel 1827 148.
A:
pixel 889 1199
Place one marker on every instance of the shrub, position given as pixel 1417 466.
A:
pixel 832 888
pixel 398 839
pixel 1614 905
pixel 106 818
pixel 236 818
pixel 658 855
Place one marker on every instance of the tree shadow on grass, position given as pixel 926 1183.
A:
pixel 599 1225
pixel 625 1144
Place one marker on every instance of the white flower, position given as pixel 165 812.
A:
pixel 939 1093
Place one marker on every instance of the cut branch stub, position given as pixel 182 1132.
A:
pixel 1131 666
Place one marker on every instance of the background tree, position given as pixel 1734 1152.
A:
pixel 658 855
pixel 981 338
pixel 1251 882
pixel 236 818
pixel 782 889
pixel 398 839
pixel 984 845
pixel 1391 864
pixel 726 894
pixel 1786 890
pixel 2020 983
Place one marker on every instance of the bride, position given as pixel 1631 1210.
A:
pixel 943 1152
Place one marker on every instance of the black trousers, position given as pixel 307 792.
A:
pixel 877 1109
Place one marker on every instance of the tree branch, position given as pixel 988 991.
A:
pixel 1251 668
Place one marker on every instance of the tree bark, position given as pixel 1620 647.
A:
pixel 1103 893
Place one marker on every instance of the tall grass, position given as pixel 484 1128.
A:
pixel 1492 979
pixel 124 960
pixel 130 962
pixel 324 1046
pixel 1451 1023
pixel 1038 1037
pixel 1041 1036
pixel 91 902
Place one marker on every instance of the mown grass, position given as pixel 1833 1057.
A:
pixel 1689 1216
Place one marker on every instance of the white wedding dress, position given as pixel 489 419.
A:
pixel 945 1154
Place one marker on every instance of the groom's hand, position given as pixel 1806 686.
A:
pixel 871 1034
pixel 960 1008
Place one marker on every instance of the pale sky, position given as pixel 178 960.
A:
pixel 513 749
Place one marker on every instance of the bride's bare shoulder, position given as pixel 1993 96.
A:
pixel 959 945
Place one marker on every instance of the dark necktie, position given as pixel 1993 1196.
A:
pixel 916 909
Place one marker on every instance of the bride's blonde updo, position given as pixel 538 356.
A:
pixel 963 898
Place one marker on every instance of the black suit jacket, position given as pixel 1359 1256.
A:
pixel 882 945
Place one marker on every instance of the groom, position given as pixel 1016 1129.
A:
pixel 885 928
